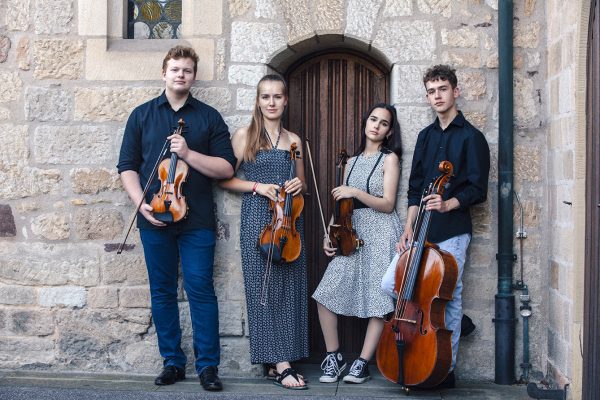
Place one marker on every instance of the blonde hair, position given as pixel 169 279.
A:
pixel 255 140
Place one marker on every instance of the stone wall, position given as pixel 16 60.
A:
pixel 68 83
pixel 567 31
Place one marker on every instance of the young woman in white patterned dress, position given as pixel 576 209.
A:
pixel 277 310
pixel 351 284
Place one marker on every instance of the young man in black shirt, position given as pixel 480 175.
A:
pixel 450 137
pixel 206 148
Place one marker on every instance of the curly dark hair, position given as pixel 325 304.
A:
pixel 441 72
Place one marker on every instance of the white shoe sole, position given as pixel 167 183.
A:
pixel 354 379
pixel 332 379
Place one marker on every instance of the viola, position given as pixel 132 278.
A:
pixel 341 233
pixel 415 347
pixel 168 205
pixel 280 241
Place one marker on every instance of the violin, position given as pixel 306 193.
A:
pixel 279 241
pixel 169 204
pixel 415 347
pixel 341 233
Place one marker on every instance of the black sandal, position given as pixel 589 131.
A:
pixel 289 372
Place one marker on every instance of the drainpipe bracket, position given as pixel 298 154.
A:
pixel 506 257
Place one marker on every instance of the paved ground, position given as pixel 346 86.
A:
pixel 23 385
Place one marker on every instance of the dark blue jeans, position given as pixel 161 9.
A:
pixel 163 250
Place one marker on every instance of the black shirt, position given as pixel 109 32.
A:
pixel 205 132
pixel 467 149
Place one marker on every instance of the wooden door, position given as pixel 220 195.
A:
pixel 591 341
pixel 328 94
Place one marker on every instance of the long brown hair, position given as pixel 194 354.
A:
pixel 255 140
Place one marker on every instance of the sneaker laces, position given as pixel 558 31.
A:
pixel 330 365
pixel 357 367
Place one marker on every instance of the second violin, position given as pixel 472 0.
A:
pixel 341 233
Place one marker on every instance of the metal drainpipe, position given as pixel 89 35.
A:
pixel 505 300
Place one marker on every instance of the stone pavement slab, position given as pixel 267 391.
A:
pixel 33 385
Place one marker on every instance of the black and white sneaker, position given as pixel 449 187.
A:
pixel 333 365
pixel 359 372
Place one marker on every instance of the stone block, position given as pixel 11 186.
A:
pixel 413 40
pixel 7 222
pixel 84 144
pixel 98 223
pixel 245 99
pixel 246 74
pixel 17 295
pixel 4 114
pixel 127 268
pixel 94 181
pixel 53 17
pixel 28 322
pixel 202 18
pixel 527 35
pixel 328 15
pixel 478 119
pixel 255 42
pixel 63 296
pixel 231 318
pixel 265 9
pixel 110 103
pixel 49 264
pixel 397 8
pixel 217 97
pixel 472 84
pixel 412 120
pixel 19 182
pixel 10 86
pixel 89 15
pixel 103 297
pixel 359 18
pixel 458 59
pixel 238 7
pixel 17 15
pixel 23 54
pixel 492 3
pixel 527 106
pixel 297 16
pixel 462 37
pixel 237 121
pixel 134 297
pixel 15 148
pixel 4 48
pixel 58 59
pixel 220 62
pixel 48 104
pixel 21 352
pixel 143 356
pixel 435 7
pixel 235 360
pixel 410 88
pixel 51 226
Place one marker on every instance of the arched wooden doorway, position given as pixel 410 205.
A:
pixel 591 342
pixel 328 94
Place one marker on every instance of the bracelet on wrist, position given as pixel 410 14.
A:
pixel 254 188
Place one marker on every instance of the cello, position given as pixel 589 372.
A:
pixel 341 233
pixel 415 348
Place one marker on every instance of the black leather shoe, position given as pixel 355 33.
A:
pixel 448 383
pixel 210 380
pixel 169 375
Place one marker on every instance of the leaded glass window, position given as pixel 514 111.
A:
pixel 154 19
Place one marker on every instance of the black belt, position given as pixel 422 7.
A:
pixel 359 204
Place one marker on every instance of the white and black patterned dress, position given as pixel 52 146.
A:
pixel 351 284
pixel 279 329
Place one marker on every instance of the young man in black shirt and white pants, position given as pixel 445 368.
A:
pixel 450 137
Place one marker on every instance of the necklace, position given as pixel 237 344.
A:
pixel 274 146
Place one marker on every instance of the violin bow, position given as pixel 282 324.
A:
pixel 163 151
pixel 312 169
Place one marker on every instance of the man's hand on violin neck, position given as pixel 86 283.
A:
pixel 178 146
